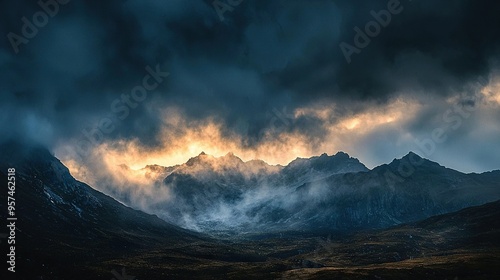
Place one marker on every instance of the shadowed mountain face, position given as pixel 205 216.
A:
pixel 320 193
pixel 60 217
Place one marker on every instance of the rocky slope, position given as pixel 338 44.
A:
pixel 320 193
pixel 63 222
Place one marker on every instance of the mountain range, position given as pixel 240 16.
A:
pixel 338 192
pixel 254 220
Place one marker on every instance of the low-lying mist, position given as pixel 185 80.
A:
pixel 213 193
pixel 225 194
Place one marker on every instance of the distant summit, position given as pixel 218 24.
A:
pixel 329 165
pixel 410 162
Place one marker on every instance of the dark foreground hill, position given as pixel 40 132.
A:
pixel 459 245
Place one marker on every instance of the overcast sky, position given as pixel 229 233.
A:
pixel 273 80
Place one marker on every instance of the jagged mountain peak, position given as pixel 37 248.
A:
pixel 339 163
pixel 413 157
pixel 206 166
pixel 325 164
pixel 202 157
pixel 412 154
pixel 341 154
pixel 411 164
pixel 232 157
pixel 414 160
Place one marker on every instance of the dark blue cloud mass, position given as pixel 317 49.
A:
pixel 263 57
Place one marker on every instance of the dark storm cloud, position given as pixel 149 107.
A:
pixel 428 46
pixel 265 56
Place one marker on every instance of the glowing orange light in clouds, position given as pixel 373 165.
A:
pixel 491 93
pixel 206 139
pixel 182 140
pixel 193 138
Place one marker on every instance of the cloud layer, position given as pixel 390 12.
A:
pixel 270 81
